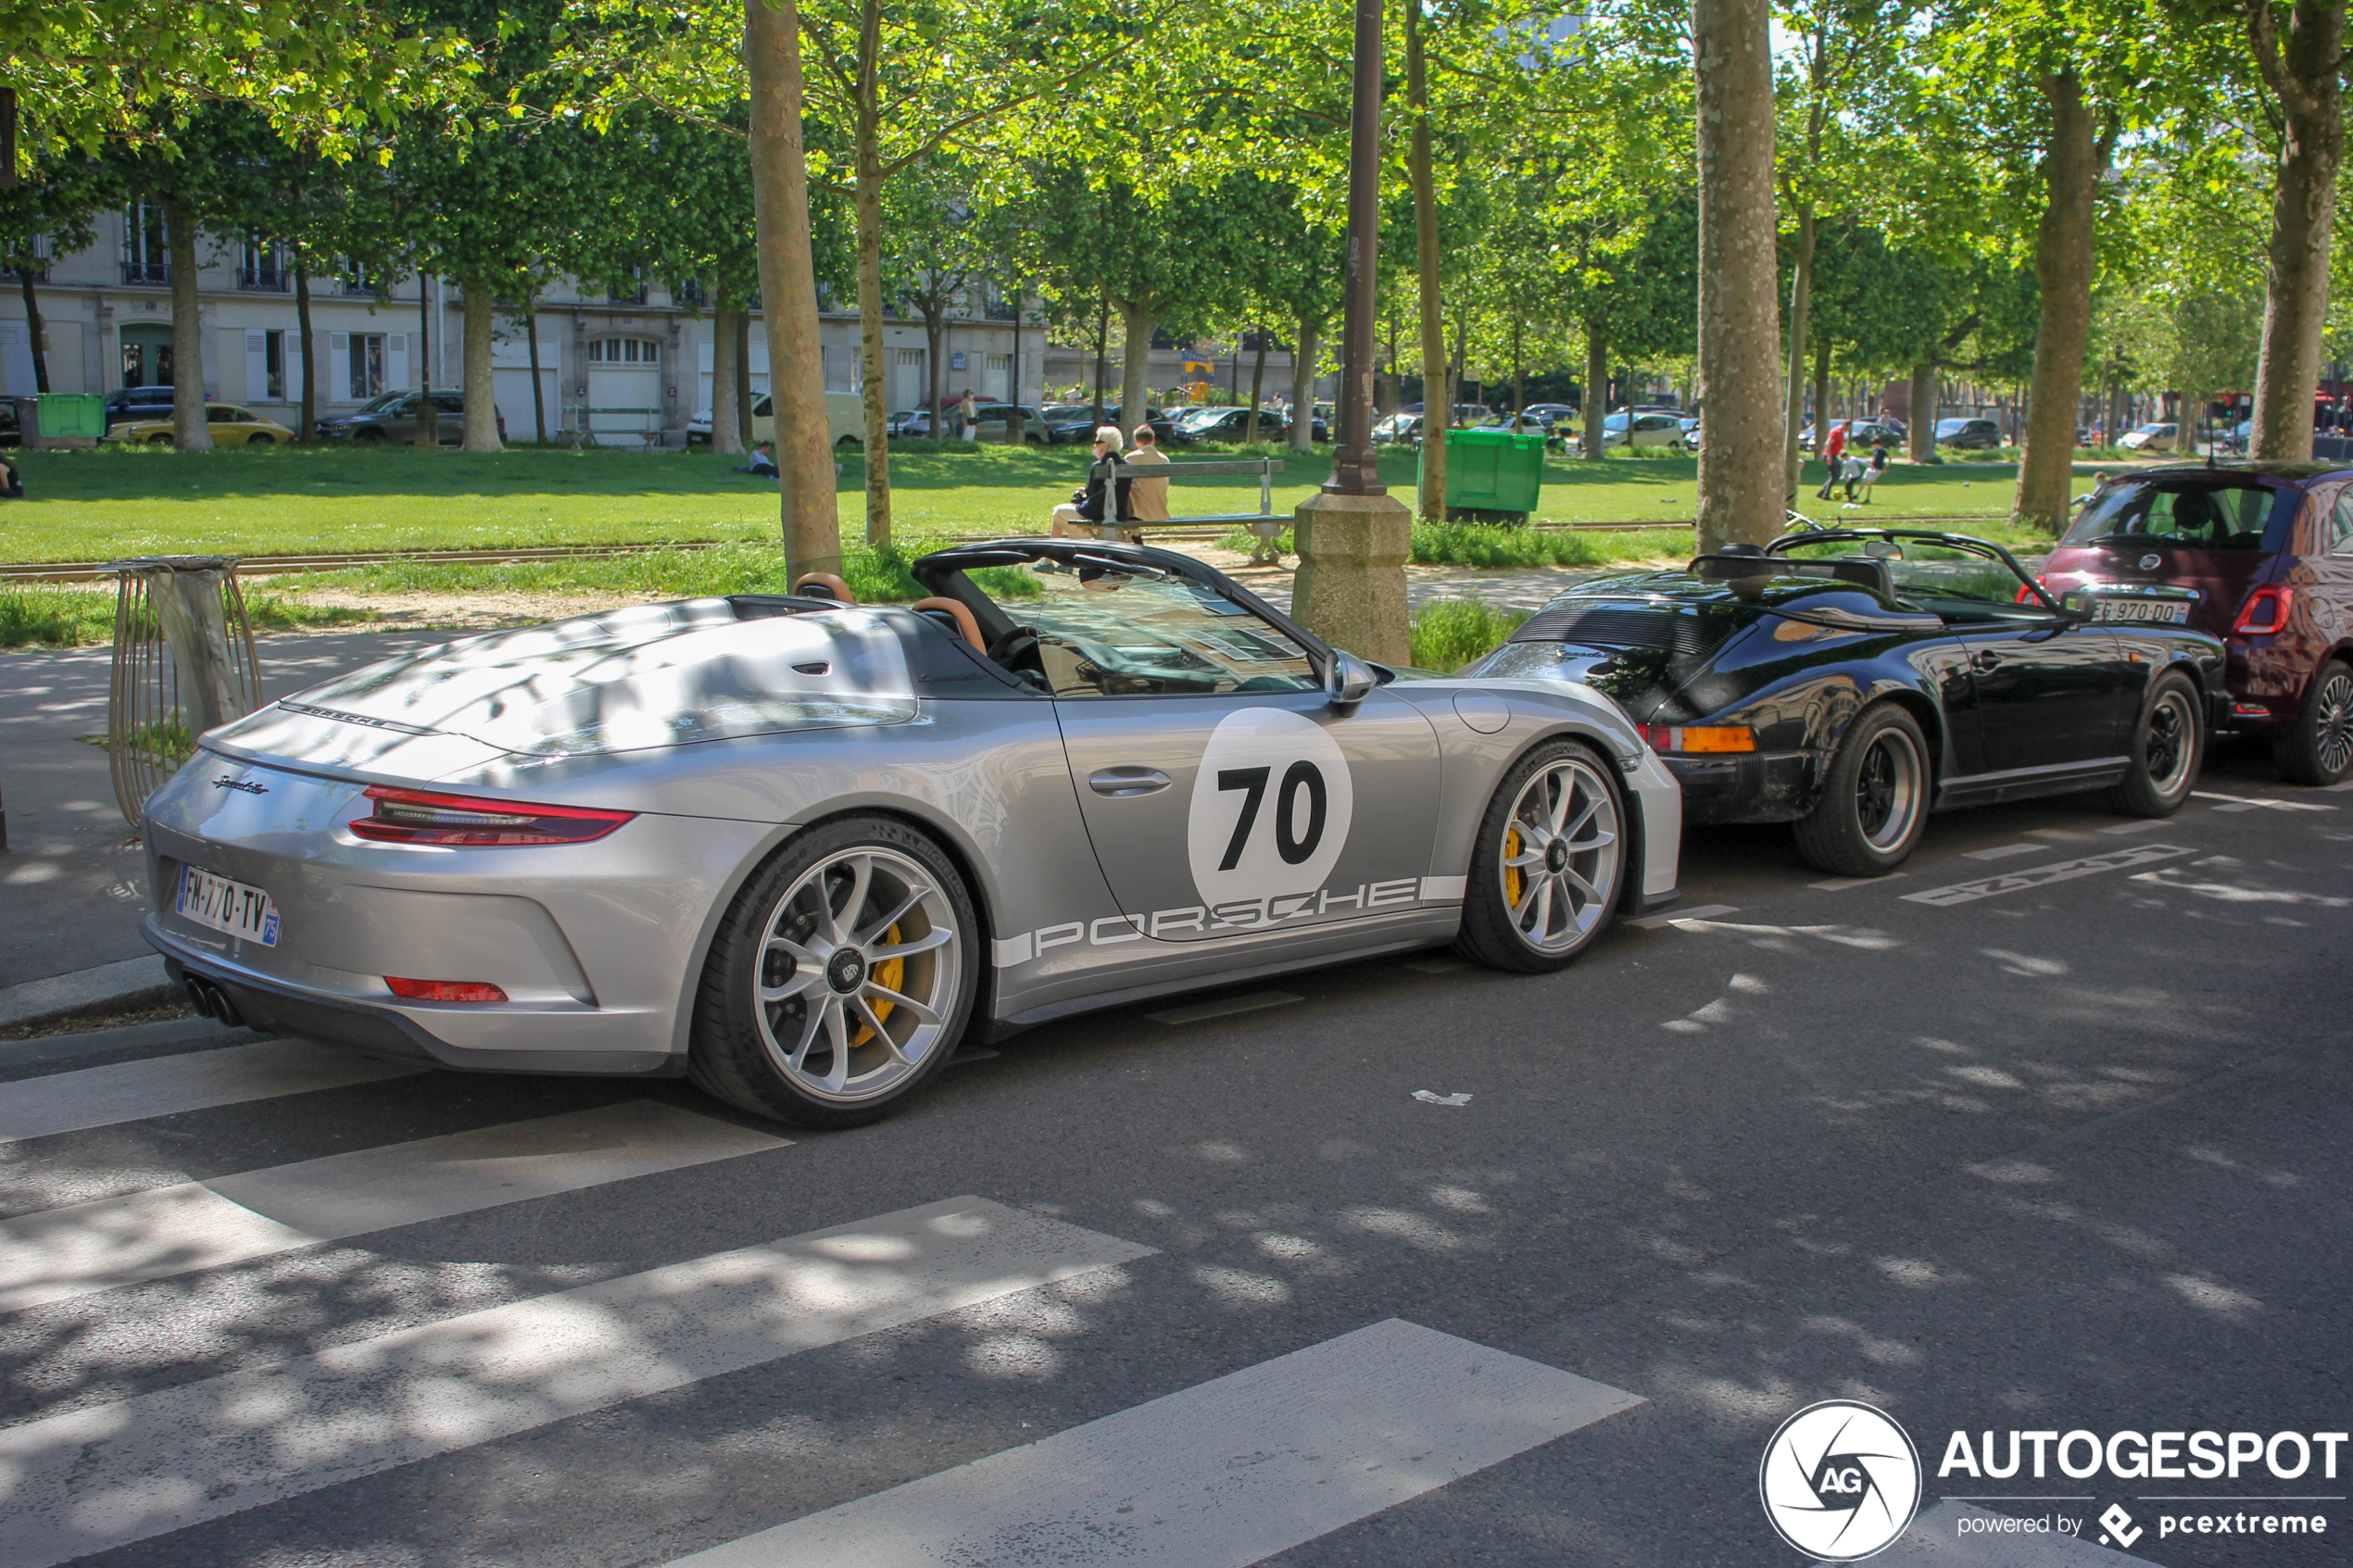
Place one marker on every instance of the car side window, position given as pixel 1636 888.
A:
pixel 2340 523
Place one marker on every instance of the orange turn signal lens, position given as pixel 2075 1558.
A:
pixel 1700 737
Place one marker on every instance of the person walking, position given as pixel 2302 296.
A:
pixel 968 417
pixel 1833 448
pixel 1083 516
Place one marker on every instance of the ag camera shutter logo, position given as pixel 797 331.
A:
pixel 1840 1480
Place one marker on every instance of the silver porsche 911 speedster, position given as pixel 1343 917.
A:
pixel 800 848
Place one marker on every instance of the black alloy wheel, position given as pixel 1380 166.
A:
pixel 1874 800
pixel 2169 748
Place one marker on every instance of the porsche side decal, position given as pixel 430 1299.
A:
pixel 1242 914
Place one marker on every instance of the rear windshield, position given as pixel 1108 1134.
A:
pixel 2199 513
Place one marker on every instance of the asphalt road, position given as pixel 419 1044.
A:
pixel 2045 1134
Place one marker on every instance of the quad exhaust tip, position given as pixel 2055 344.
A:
pixel 211 1001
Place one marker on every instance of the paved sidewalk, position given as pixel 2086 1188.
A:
pixel 72 885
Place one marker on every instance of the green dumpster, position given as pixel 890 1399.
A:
pixel 71 414
pixel 1493 475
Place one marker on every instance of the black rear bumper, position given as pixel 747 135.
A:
pixel 1771 786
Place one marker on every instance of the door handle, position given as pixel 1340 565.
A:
pixel 1121 782
pixel 1986 659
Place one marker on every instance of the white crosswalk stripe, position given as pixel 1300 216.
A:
pixel 1218 1475
pixel 60 1253
pixel 87 1480
pixel 165 1085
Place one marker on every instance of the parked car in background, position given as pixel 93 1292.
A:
pixel 2258 554
pixel 1233 424
pixel 1867 434
pixel 1968 434
pixel 391 415
pixel 996 422
pixel 1398 429
pixel 1644 430
pixel 1077 425
pixel 230 426
pixel 139 402
pixel 845 418
pixel 2152 437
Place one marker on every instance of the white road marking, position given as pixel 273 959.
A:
pixel 1431 1097
pixel 1935 1540
pixel 1222 1007
pixel 1652 923
pixel 2004 851
pixel 89 1479
pixel 1841 883
pixel 2147 825
pixel 165 1085
pixel 73 1251
pixel 2258 802
pixel 2037 876
pixel 1221 1474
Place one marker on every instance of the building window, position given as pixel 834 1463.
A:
pixel 630 291
pixel 147 249
pixel 146 355
pixel 273 366
pixel 356 278
pixel 367 364
pixel 623 351
pixel 262 265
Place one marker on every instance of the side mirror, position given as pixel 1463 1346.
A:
pixel 1349 682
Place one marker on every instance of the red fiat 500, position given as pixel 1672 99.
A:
pixel 2265 550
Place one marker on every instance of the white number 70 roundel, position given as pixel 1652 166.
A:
pixel 1270 809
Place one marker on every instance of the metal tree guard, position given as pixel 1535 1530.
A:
pixel 183 663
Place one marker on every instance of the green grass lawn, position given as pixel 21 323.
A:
pixel 291 500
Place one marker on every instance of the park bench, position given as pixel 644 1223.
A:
pixel 1266 521
pixel 578 431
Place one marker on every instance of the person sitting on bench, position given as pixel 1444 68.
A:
pixel 1083 516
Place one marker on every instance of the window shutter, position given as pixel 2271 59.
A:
pixel 257 367
pixel 291 356
pixel 395 359
pixel 339 366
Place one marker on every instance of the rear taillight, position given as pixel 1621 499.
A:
pixel 2026 596
pixel 2264 612
pixel 444 990
pixel 417 816
pixel 1687 738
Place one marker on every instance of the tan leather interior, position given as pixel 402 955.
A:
pixel 833 586
pixel 962 617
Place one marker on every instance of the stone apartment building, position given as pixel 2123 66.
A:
pixel 613 365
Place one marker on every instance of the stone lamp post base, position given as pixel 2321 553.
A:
pixel 1351 587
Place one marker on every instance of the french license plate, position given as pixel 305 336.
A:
pixel 2144 612
pixel 227 906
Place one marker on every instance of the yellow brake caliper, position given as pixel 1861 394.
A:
pixel 1511 873
pixel 890 975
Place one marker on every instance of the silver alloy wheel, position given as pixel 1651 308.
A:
pixel 1887 789
pixel 859 967
pixel 2171 750
pixel 1561 856
pixel 2332 731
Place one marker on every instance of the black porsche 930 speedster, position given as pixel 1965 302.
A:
pixel 1851 681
